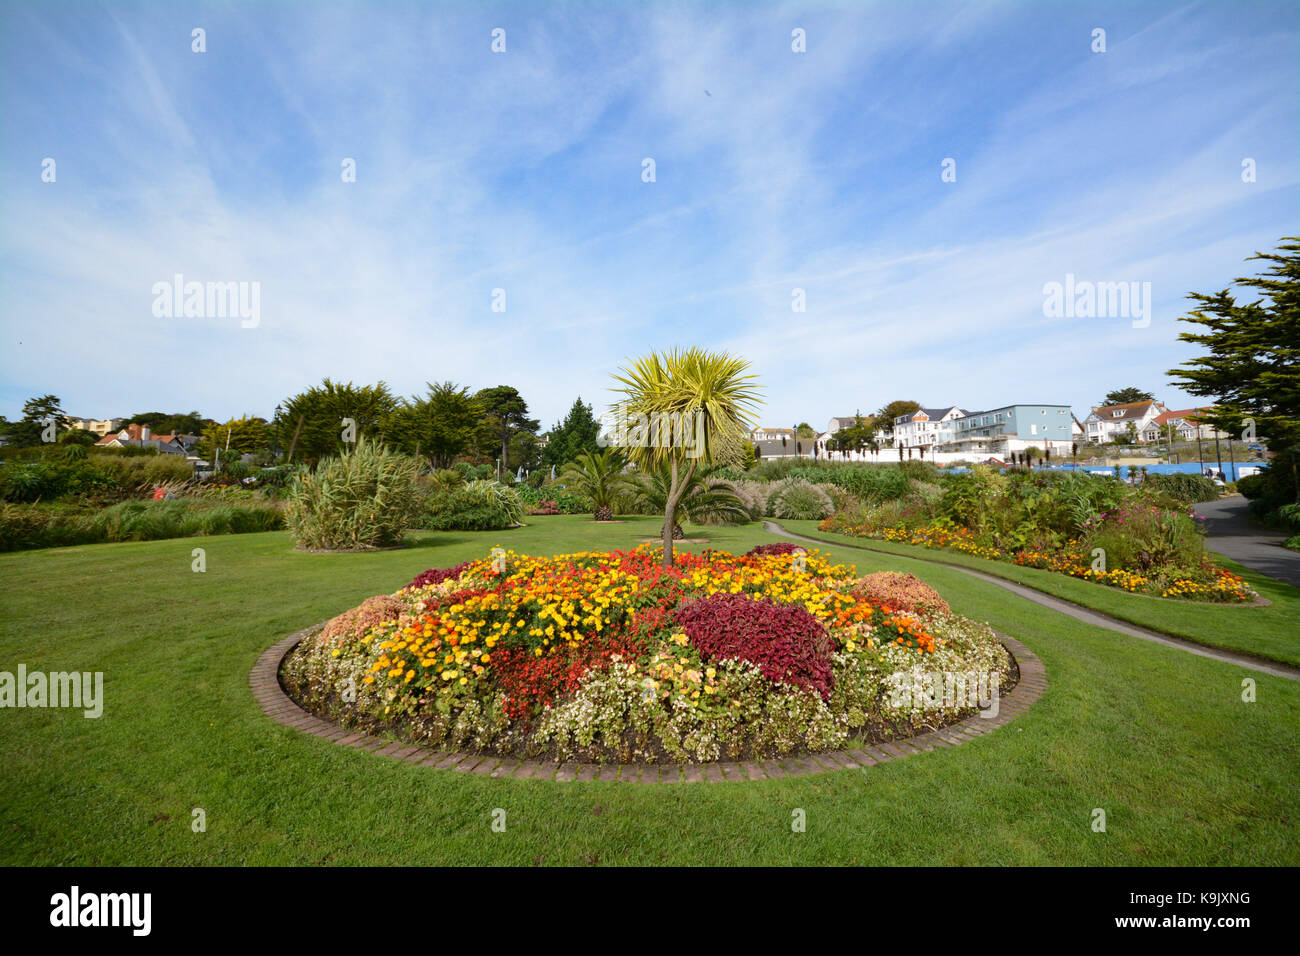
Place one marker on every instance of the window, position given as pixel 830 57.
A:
pixel 1033 429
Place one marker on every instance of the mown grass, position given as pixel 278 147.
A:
pixel 1160 739
pixel 1271 632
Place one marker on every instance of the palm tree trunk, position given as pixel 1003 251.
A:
pixel 675 489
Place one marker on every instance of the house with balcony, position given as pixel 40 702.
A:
pixel 1009 429
pixel 917 433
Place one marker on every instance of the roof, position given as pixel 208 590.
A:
pixel 135 433
pixel 772 448
pixel 933 414
pixel 1128 410
pixel 1186 414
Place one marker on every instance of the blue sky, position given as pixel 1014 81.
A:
pixel 522 170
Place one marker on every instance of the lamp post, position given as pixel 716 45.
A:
pixel 275 451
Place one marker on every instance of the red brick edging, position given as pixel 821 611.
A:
pixel 276 704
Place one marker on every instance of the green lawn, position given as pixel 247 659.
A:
pixel 1271 632
pixel 1160 739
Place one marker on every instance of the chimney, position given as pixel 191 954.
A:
pixel 144 433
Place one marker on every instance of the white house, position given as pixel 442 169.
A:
pixel 1110 422
pixel 921 428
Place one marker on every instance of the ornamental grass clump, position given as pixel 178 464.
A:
pixel 475 506
pixel 799 499
pixel 363 499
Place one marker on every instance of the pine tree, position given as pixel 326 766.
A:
pixel 1252 369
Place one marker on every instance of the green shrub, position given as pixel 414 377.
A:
pixel 363 499
pixel 476 506
pixel 1252 486
pixel 920 470
pixel 445 479
pixel 572 503
pixel 42 526
pixel 530 496
pixel 1288 517
pixel 1146 539
pixel 475 472
pixel 1186 489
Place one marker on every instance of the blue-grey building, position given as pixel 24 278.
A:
pixel 998 432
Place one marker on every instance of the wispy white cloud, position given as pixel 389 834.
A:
pixel 522 171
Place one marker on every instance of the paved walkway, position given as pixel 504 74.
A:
pixel 1076 611
pixel 1230 533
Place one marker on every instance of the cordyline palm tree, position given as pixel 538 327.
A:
pixel 703 497
pixel 687 385
pixel 599 476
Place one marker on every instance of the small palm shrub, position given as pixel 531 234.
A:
pixel 705 499
pixel 364 499
pixel 475 506
pixel 599 476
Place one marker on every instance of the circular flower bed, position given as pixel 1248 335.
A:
pixel 609 656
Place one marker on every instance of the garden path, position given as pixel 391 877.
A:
pixel 1230 533
pixel 1078 611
